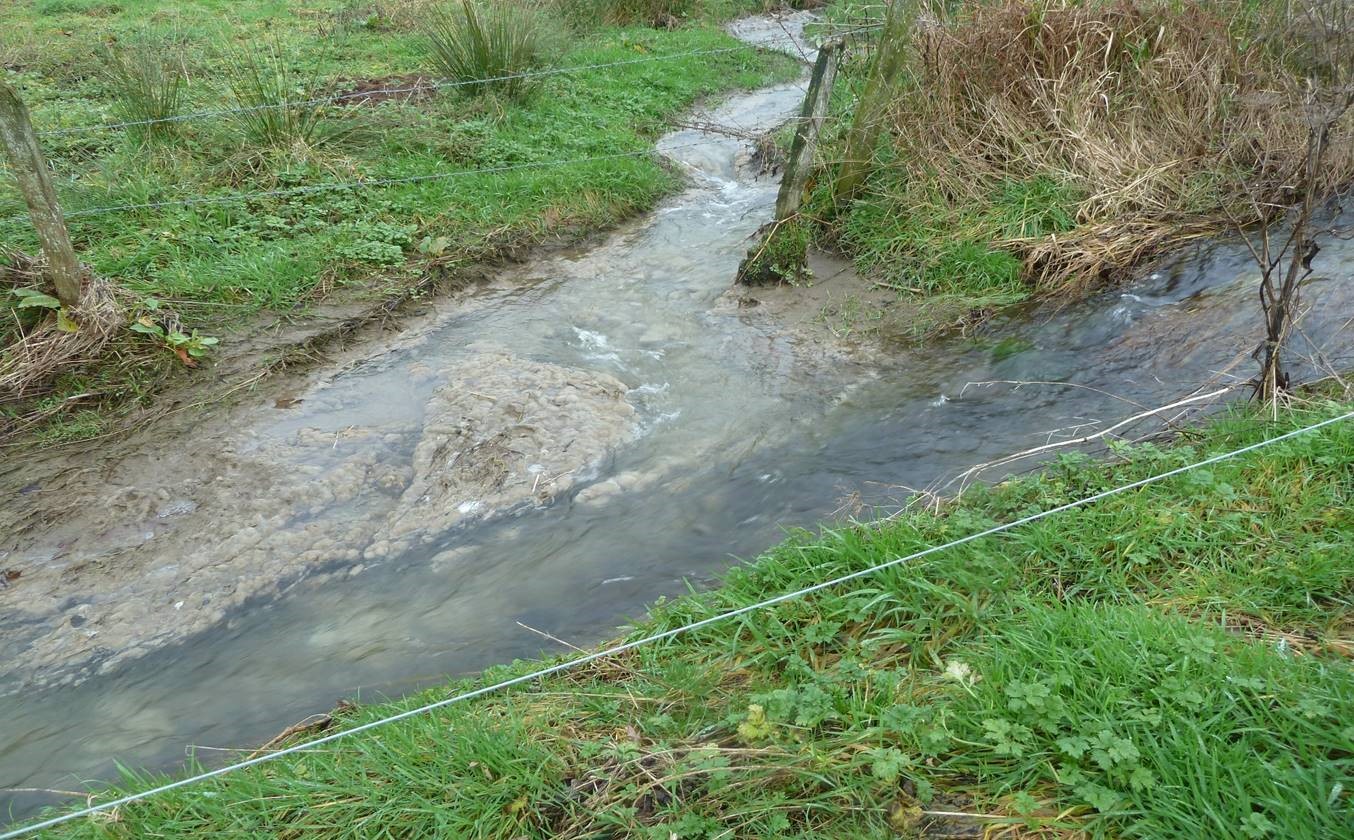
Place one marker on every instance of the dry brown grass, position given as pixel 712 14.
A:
pixel 34 354
pixel 1161 118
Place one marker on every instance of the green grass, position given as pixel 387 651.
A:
pixel 214 264
pixel 272 252
pixel 920 241
pixel 1169 662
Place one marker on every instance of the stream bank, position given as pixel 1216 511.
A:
pixel 1144 665
pixel 308 234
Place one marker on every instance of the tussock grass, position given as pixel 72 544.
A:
pixel 485 40
pixel 147 79
pixel 280 104
pixel 1086 676
pixel 1130 125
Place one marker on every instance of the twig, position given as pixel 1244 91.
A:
pixel 314 722
pixel 964 477
pixel 546 635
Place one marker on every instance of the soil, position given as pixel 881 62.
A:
pixel 836 312
pixel 410 87
pixel 63 620
pixel 500 431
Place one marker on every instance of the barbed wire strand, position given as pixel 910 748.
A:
pixel 657 637
pixel 366 94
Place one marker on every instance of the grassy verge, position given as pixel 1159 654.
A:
pixel 1170 662
pixel 212 265
pixel 1042 146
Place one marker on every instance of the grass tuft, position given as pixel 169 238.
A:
pixel 485 40
pixel 147 80
pixel 280 102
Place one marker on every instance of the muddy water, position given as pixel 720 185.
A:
pixel 588 433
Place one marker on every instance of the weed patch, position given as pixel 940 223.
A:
pixel 780 256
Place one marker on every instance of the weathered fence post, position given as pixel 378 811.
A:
pixel 781 252
pixel 811 118
pixel 30 170
pixel 865 128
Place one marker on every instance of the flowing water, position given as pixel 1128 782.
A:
pixel 737 431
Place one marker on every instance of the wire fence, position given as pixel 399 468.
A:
pixel 661 636
pixel 421 87
pixel 358 96
pixel 393 91
pixel 435 85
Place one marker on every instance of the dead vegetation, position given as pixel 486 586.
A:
pixel 34 352
pixel 1154 120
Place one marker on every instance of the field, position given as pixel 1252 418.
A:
pixel 1173 661
pixel 283 214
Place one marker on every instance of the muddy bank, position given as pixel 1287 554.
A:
pixel 152 554
pixel 835 312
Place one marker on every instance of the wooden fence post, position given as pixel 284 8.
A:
pixel 811 118
pixel 865 128
pixel 781 252
pixel 30 169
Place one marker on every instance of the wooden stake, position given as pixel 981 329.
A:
pixel 30 170
pixel 865 128
pixel 811 116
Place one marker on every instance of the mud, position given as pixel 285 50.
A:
pixel 835 314
pixel 410 87
pixel 144 558
pixel 502 432
pixel 117 551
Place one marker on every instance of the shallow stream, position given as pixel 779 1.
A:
pixel 719 429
